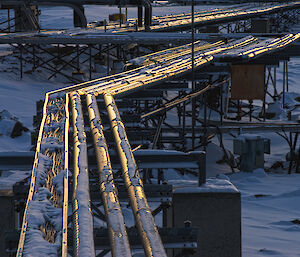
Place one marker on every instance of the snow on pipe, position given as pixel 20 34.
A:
pixel 172 21
pixel 83 239
pixel 219 16
pixel 176 65
pixel 142 213
pixel 114 217
pixel 44 227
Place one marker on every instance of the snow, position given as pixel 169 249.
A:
pixel 267 227
pixel 249 137
pixel 82 219
pixel 217 185
pixel 41 210
pixel 9 178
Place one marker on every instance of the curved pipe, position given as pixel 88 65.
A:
pixel 148 14
pixel 76 7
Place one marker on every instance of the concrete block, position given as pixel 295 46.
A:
pixel 251 149
pixel 215 209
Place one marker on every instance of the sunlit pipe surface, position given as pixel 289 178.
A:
pixel 83 238
pixel 143 217
pixel 54 126
pixel 114 217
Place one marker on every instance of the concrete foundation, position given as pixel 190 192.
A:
pixel 7 214
pixel 216 212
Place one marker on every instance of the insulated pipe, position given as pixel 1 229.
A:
pixel 142 213
pixel 83 238
pixel 79 19
pixel 148 14
pixel 140 15
pixel 113 213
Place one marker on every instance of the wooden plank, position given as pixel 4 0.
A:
pixel 247 82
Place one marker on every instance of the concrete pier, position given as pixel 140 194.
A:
pixel 215 209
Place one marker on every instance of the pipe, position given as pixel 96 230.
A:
pixel 115 221
pixel 83 238
pixel 142 213
pixel 148 14
pixel 64 246
pixel 140 16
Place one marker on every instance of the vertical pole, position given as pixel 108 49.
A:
pixel 58 51
pixel 238 110
pixel 250 110
pixel 107 58
pixel 8 17
pixel 202 169
pixel 265 93
pixel 105 25
pixel 298 161
pixel 283 86
pixel 77 52
pixel 126 14
pixel 275 90
pixel 193 79
pixel 183 126
pixel 287 76
pixel 90 61
pixel 221 104
pixel 21 61
pixel 120 15
pixel 34 61
pixel 140 16
pixel 205 120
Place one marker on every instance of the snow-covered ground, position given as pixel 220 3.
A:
pixel 270 201
pixel 270 213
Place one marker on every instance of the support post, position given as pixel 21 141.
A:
pixel 21 61
pixel 283 86
pixel 193 79
pixel 107 58
pixel 202 169
pixel 140 16
pixel 90 61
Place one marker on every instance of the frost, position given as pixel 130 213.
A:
pixel 58 181
pixel 51 143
